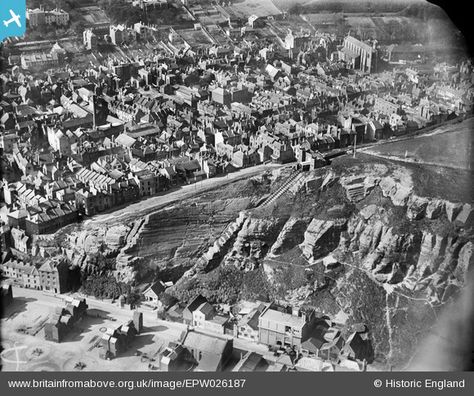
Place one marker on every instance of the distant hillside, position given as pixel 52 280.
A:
pixel 404 7
pixel 66 5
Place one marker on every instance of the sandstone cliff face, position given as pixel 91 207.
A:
pixel 418 254
pixel 465 261
pixel 99 238
pixel 383 262
pixel 435 209
pixel 409 260
pixel 397 192
pixel 290 235
pixel 253 242
pixel 399 189
pixel 414 259
pixel 320 238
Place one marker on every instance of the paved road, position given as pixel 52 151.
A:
pixel 157 202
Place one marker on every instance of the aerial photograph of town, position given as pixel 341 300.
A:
pixel 236 186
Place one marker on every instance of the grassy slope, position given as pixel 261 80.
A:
pixel 451 148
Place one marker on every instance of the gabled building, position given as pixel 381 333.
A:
pixel 31 278
pixel 62 321
pixel 19 240
pixel 359 55
pixel 205 317
pixel 247 326
pixel 54 276
pixel 194 304
pixel 208 353
pixel 154 291
pixel 50 217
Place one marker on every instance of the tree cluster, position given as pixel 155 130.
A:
pixel 225 285
pixel 101 286
pixel 288 278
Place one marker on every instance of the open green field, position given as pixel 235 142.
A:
pixel 450 147
pixel 260 8
pixel 94 15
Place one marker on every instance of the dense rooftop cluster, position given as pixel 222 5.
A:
pixel 163 106
pixel 92 122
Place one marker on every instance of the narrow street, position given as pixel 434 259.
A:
pixel 157 202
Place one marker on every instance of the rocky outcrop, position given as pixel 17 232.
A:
pixel 415 261
pixel 115 236
pixel 416 207
pixel 89 241
pixel 108 239
pixel 435 208
pixel 329 180
pixel 466 215
pixel 225 237
pixel 387 252
pixel 216 252
pixel 368 211
pixel 452 210
pixel 313 184
pixel 399 193
pixel 465 262
pixel 450 261
pixel 320 238
pixel 357 187
pixel 391 277
pixel 399 188
pixel 421 207
pixel 369 237
pixel 290 235
pixel 253 242
pixel 432 250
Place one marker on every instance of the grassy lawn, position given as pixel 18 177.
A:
pixel 452 148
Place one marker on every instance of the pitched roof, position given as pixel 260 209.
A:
pixel 251 362
pixel 211 345
pixel 125 140
pixel 206 308
pixel 195 303
pixel 47 267
pixel 157 288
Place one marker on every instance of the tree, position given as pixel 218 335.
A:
pixel 133 297
pixel 256 286
pixel 102 286
pixel 101 263
pixel 222 285
pixel 167 300
pixel 288 278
